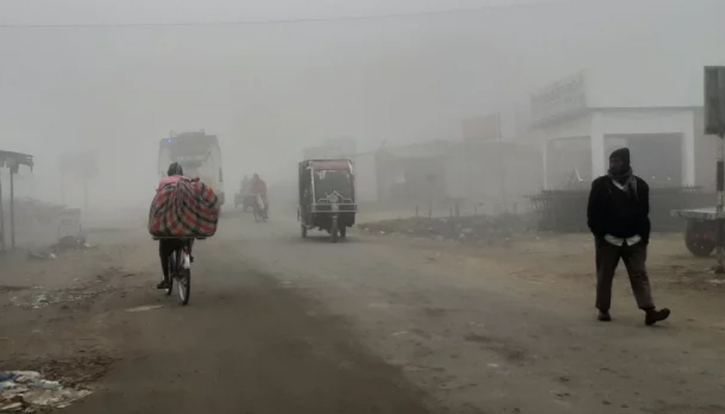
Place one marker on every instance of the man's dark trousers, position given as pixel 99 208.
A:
pixel 634 258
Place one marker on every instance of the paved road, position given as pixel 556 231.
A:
pixel 278 324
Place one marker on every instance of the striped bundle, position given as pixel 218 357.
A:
pixel 184 209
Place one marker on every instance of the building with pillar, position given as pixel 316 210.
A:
pixel 582 119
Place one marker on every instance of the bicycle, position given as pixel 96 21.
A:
pixel 180 269
pixel 259 210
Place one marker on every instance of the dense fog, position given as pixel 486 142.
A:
pixel 273 77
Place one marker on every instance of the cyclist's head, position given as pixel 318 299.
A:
pixel 175 169
pixel 256 176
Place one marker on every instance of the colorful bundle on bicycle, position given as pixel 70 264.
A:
pixel 184 209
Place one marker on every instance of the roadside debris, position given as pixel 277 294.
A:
pixel 144 308
pixel 71 243
pixel 467 228
pixel 39 297
pixel 41 255
pixel 63 245
pixel 29 392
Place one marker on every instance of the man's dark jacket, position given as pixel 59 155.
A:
pixel 618 213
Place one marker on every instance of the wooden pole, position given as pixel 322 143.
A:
pixel 12 209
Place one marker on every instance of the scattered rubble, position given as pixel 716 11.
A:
pixel 43 297
pixel 467 228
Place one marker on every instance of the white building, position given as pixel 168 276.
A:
pixel 583 118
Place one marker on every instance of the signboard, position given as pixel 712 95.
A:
pixel 333 148
pixel 82 164
pixel 562 99
pixel 482 128
pixel 715 100
pixel 191 158
pixel 70 223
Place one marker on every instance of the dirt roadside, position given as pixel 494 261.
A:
pixel 565 263
pixel 246 343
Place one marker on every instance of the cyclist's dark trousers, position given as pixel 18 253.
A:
pixel 166 248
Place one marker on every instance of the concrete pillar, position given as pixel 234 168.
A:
pixel 688 150
pixel 599 166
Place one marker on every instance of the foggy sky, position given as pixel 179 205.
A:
pixel 270 90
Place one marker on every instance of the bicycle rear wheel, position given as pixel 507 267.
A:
pixel 172 273
pixel 183 279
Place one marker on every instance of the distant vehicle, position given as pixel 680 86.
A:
pixel 245 200
pixel 326 196
pixel 199 155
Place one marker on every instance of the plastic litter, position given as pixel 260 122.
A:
pixel 29 392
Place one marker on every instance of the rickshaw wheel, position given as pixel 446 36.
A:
pixel 700 248
pixel 334 231
pixel 695 243
pixel 343 232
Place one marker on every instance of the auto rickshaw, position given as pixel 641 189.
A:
pixel 326 197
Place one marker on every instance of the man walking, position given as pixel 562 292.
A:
pixel 618 216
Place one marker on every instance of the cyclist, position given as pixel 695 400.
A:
pixel 169 246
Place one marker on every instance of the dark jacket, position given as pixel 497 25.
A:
pixel 615 212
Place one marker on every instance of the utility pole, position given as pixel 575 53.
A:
pixel 85 193
pixel 501 165
pixel 720 214
pixel 430 178
pixel 502 176
pixel 12 207
pixel 2 219
pixel 715 125
pixel 62 187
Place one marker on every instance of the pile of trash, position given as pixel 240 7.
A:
pixel 467 228
pixel 63 245
pixel 29 392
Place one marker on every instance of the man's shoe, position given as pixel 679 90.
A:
pixel 604 316
pixel 163 285
pixel 653 316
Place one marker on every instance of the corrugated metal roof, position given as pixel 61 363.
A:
pixel 16 157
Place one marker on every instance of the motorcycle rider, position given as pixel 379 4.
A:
pixel 169 246
pixel 259 188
